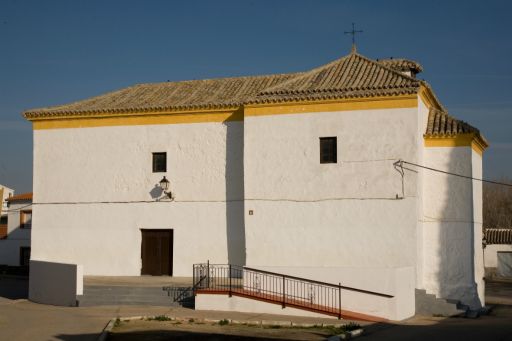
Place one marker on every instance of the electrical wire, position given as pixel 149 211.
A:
pixel 198 201
pixel 450 173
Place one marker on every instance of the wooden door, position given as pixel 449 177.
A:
pixel 156 252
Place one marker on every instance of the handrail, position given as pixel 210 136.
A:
pixel 273 287
pixel 322 283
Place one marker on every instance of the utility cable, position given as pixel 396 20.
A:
pixel 399 162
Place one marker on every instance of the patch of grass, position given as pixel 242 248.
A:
pixel 117 322
pixel 343 329
pixel 160 318
pixel 223 322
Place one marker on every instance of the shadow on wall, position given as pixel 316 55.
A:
pixel 456 237
pixel 156 192
pixel 235 227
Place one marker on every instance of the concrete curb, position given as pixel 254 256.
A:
pixel 348 335
pixel 106 330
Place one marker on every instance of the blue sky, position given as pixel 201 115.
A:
pixel 54 52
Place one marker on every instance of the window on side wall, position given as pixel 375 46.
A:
pixel 328 150
pixel 26 219
pixel 159 162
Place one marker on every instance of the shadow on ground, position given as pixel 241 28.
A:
pixel 495 326
pixel 13 288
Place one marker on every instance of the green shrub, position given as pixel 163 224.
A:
pixel 160 318
pixel 223 322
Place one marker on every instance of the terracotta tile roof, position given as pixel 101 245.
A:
pixel 498 236
pixel 350 76
pixel 184 95
pixel 402 65
pixel 442 124
pixel 20 197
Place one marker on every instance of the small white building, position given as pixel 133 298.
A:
pixel 5 193
pixel 291 173
pixel 498 253
pixel 15 245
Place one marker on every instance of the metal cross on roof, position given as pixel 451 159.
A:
pixel 353 33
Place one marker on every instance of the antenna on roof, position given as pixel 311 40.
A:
pixel 353 33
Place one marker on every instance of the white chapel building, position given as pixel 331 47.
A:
pixel 292 173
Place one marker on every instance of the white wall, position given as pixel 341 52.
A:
pixel 478 251
pixel 105 164
pixel 345 214
pixel 55 283
pixel 398 282
pixel 16 236
pixel 450 229
pixel 7 192
pixel 234 303
pixel 491 254
pixel 423 114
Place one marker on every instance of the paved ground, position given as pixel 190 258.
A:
pixel 24 320
pixel 496 326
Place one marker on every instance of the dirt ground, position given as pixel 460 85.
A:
pixel 495 326
pixel 175 330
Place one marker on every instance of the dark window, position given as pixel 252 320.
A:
pixel 328 151
pixel 159 162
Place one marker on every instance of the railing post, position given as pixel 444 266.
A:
pixel 284 291
pixel 339 301
pixel 193 277
pixel 208 274
pixel 229 274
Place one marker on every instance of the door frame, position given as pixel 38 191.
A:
pixel 171 247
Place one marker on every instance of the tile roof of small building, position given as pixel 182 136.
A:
pixel 498 236
pixel 20 197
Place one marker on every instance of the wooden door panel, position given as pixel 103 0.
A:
pixel 156 252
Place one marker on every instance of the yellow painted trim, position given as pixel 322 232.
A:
pixel 137 119
pixel 120 119
pixel 405 101
pixel 428 98
pixel 463 140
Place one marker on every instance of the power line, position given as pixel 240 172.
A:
pixel 207 201
pixel 400 162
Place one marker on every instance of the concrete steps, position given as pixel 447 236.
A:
pixel 428 304
pixel 128 295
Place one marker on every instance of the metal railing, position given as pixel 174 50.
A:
pixel 273 287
